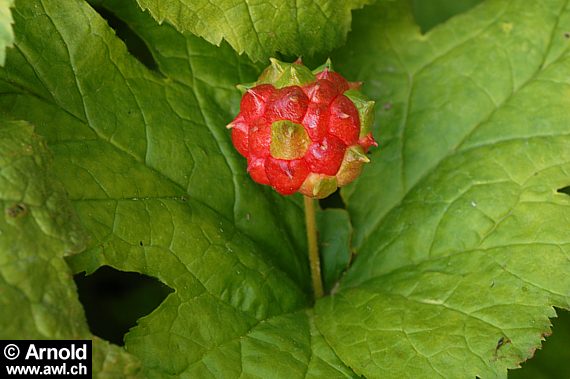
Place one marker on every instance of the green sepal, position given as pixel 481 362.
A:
pixel 319 186
pixel 365 110
pixel 282 74
pixel 295 75
pixel 351 165
pixel 272 73
pixel 243 88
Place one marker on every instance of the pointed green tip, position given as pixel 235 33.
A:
pixel 298 75
pixel 282 74
pixel 351 166
pixel 365 110
pixel 316 189
pixel 357 155
pixel 326 66
pixel 324 187
pixel 277 64
pixel 318 186
pixel 244 87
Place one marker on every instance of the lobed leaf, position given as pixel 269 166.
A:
pixel 461 233
pixel 262 28
pixel 37 228
pixel 165 139
pixel 160 191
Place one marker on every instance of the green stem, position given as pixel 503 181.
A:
pixel 314 259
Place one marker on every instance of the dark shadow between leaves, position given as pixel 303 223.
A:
pixel 552 360
pixel 135 45
pixel 114 300
pixel 564 190
pixel 333 201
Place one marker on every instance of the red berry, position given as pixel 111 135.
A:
pixel 259 138
pixel 303 132
pixel 289 103
pixel 344 122
pixel 322 92
pixel 239 137
pixel 256 169
pixel 325 157
pixel 254 100
pixel 335 78
pixel 286 176
pixel 316 121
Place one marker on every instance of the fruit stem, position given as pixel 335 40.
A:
pixel 314 260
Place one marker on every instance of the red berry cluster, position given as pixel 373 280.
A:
pixel 295 136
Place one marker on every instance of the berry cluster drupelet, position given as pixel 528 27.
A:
pixel 303 131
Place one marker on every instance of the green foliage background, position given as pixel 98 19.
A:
pixel 459 231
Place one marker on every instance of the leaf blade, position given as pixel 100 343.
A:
pixel 262 29
pixel 37 227
pixel 465 235
pixel 334 245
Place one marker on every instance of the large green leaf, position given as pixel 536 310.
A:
pixel 463 239
pixel 262 28
pixel 165 138
pixel 38 228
